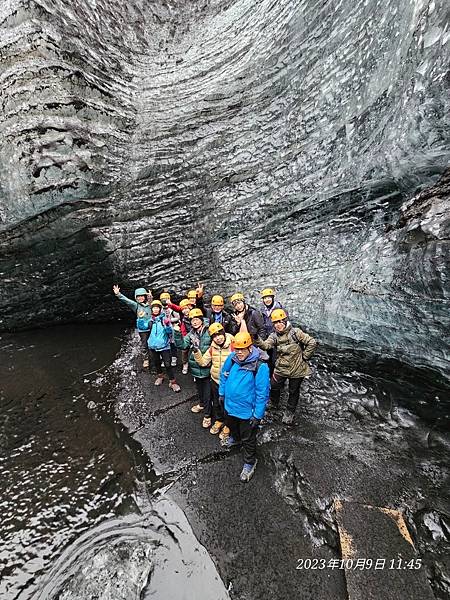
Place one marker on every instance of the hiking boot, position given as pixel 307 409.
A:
pixel 145 363
pixel 288 417
pixel 174 386
pixel 159 380
pixel 229 442
pixel 223 435
pixel 173 362
pixel 206 423
pixel 197 408
pixel 247 471
pixel 216 427
pixel 185 369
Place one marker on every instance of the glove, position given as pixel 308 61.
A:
pixel 166 322
pixel 254 422
pixel 195 345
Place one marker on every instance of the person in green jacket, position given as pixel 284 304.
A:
pixel 294 348
pixel 197 338
pixel 141 308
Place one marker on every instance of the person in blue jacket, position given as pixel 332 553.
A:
pixel 159 344
pixel 142 310
pixel 244 390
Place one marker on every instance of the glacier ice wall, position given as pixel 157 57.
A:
pixel 297 143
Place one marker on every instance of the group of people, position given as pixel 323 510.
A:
pixel 238 358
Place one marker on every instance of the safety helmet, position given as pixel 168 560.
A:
pixel 242 340
pixel 140 292
pixel 192 294
pixel 185 302
pixel 237 296
pixel 215 328
pixel 217 300
pixel 278 315
pixel 195 312
pixel 164 296
pixel 267 292
pixel 155 303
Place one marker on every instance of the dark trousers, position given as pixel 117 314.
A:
pixel 242 432
pixel 144 335
pixel 166 357
pixel 272 358
pixel 276 385
pixel 217 407
pixel 204 393
pixel 173 350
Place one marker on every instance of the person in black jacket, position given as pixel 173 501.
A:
pixel 216 314
pixel 246 318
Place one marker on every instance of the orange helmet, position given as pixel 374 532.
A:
pixel 278 315
pixel 155 303
pixel 192 294
pixel 217 300
pixel 237 296
pixel 242 340
pixel 195 312
pixel 215 328
pixel 185 302
pixel 164 296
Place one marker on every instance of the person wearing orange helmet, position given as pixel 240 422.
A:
pixel 246 318
pixel 293 348
pixel 197 338
pixel 244 387
pixel 183 309
pixel 221 346
pixel 217 314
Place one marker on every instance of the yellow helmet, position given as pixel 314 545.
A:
pixel 215 328
pixel 192 294
pixel 155 303
pixel 237 296
pixel 267 292
pixel 185 302
pixel 195 312
pixel 242 340
pixel 217 300
pixel 278 315
pixel 164 296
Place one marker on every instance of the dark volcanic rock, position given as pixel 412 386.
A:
pixel 243 142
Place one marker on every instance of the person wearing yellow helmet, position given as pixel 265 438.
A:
pixel 196 296
pixel 244 386
pixel 159 345
pixel 141 308
pixel 221 346
pixel 174 317
pixel 183 309
pixel 197 338
pixel 293 348
pixel 217 314
pixel 246 318
pixel 269 305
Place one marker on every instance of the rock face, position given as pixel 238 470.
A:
pixel 243 142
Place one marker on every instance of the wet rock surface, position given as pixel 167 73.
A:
pixel 350 442
pixel 242 141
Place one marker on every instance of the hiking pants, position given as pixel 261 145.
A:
pixel 144 335
pixel 166 359
pixel 241 431
pixel 204 393
pixel 276 385
pixel 217 407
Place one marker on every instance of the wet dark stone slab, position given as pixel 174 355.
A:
pixel 381 535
